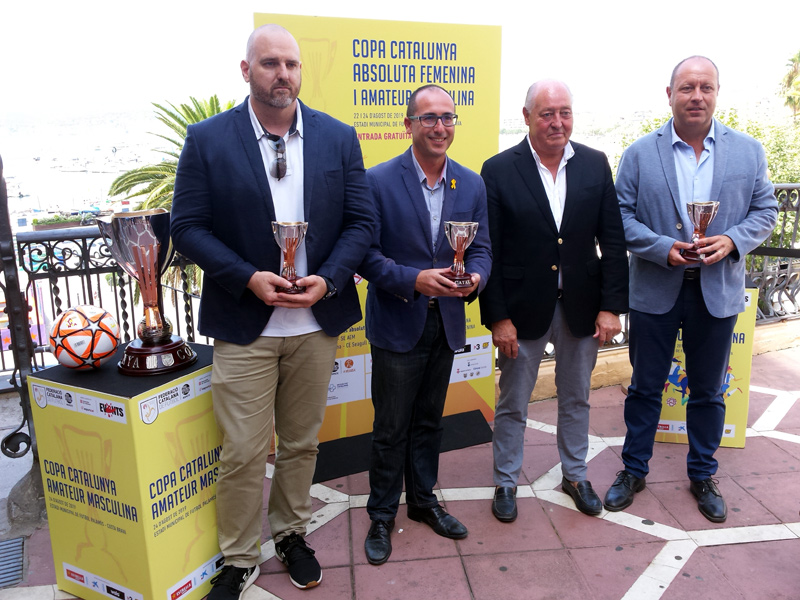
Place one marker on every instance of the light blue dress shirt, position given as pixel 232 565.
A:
pixel 694 176
pixel 434 196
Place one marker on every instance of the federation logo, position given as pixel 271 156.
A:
pixel 335 366
pixel 186 389
pixel 39 397
pixel 148 410
pixel 331 388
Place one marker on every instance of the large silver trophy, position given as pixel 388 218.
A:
pixel 460 235
pixel 701 214
pixel 140 243
pixel 289 236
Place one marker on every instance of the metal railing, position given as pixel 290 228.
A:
pixel 67 267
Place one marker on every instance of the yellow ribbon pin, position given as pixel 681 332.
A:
pixel 452 184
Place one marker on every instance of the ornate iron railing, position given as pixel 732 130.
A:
pixel 775 266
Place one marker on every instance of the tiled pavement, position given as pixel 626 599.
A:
pixel 661 547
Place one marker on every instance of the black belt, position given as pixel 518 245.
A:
pixel 433 302
pixel 691 274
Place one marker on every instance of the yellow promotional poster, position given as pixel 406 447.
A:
pixel 129 467
pixel 735 388
pixel 362 72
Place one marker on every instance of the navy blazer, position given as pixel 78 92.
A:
pixel 647 186
pixel 403 247
pixel 529 251
pixel 222 212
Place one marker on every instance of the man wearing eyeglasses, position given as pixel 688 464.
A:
pixel 551 203
pixel 271 159
pixel 415 314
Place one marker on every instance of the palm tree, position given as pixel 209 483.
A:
pixel 157 182
pixel 790 87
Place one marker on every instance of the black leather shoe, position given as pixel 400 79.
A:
pixel 504 505
pixel 442 523
pixel 586 499
pixel 709 500
pixel 378 545
pixel 620 495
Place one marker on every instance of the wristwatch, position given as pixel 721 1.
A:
pixel 331 288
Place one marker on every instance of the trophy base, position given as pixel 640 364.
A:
pixel 695 256
pixel 462 281
pixel 140 360
pixel 292 290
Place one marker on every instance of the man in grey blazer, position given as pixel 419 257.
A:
pixel 692 158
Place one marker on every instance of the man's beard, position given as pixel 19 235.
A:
pixel 281 100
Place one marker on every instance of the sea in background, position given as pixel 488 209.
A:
pixel 69 165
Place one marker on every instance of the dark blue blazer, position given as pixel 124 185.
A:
pixel 222 212
pixel 403 247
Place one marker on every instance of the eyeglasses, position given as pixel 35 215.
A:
pixel 430 120
pixel 278 167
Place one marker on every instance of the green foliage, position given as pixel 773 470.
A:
pixel 790 86
pixel 156 183
pixel 59 218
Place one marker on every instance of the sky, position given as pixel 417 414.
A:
pixel 62 59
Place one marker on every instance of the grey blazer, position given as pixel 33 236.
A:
pixel 647 188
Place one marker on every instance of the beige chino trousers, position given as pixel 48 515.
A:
pixel 287 378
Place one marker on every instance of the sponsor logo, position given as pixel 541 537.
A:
pixel 76 576
pixel 68 398
pixel 348 364
pixel 335 366
pixel 181 590
pixel 663 427
pixel 186 389
pixel 111 409
pixel 331 388
pixel 112 591
pixel 87 404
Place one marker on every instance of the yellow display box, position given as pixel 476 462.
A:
pixel 129 467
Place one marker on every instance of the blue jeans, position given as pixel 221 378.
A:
pixel 707 348
pixel 408 393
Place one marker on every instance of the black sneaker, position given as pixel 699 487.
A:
pixel 304 570
pixel 232 581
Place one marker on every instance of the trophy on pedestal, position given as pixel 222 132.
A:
pixel 140 243
pixel 701 214
pixel 460 235
pixel 289 235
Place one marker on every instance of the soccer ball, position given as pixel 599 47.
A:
pixel 84 337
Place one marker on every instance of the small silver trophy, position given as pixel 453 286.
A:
pixel 460 235
pixel 701 214
pixel 289 235
pixel 140 243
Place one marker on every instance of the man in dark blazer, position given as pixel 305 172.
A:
pixel 551 202
pixel 415 314
pixel 271 159
pixel 692 158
